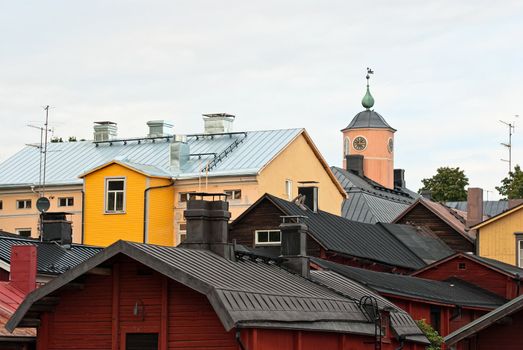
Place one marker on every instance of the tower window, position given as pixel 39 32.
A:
pixel 346 146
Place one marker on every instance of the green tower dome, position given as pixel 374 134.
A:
pixel 368 100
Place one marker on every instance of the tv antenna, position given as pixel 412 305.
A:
pixel 44 131
pixel 511 130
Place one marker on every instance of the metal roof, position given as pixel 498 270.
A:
pixel 490 208
pixel 513 306
pixel 243 292
pixel 240 154
pixel 370 202
pixel 368 119
pixel 52 258
pixel 352 238
pixel 452 291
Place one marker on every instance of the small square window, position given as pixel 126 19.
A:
pixel 65 201
pixel 267 237
pixel 462 266
pixel 233 194
pixel 184 196
pixel 24 232
pixel 182 232
pixel 23 204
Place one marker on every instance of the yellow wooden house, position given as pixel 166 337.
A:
pixel 501 237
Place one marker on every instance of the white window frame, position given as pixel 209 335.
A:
pixel 519 247
pixel 19 230
pixel 67 201
pixel 288 188
pixel 346 146
pixel 25 201
pixel 184 194
pixel 258 243
pixel 106 196
pixel 231 194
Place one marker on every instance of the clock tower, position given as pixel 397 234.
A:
pixel 370 136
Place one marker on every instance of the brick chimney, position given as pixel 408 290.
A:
pixel 23 267
pixel 474 206
pixel 294 245
pixel 208 224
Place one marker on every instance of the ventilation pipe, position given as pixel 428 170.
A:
pixel 179 152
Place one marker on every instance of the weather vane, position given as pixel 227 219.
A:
pixel 369 71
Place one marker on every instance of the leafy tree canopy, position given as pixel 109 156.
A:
pixel 447 185
pixel 512 186
pixel 432 335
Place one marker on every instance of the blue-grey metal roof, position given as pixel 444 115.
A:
pixel 52 258
pixel 239 153
pixel 453 291
pixel 490 208
pixel 370 202
pixel 245 292
pixel 368 119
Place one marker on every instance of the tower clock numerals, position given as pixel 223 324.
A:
pixel 390 145
pixel 359 143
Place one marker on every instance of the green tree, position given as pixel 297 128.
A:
pixel 447 185
pixel 512 186
pixel 435 339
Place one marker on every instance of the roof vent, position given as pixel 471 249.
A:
pixel 179 152
pixel 218 123
pixel 355 164
pixel 294 245
pixel 399 178
pixel 159 128
pixel 105 131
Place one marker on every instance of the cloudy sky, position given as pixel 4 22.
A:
pixel 446 72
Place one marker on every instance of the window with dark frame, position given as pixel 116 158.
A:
pixel 267 237
pixel 184 196
pixel 462 266
pixel 65 201
pixel 24 232
pixel 435 318
pixel 23 204
pixel 115 195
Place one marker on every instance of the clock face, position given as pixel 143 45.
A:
pixel 390 145
pixel 359 143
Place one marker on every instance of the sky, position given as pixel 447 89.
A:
pixel 446 72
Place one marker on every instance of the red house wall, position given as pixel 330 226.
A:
pixel 474 273
pixel 362 263
pixel 135 299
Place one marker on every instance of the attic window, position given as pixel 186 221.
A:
pixel 267 237
pixel 233 194
pixel 462 266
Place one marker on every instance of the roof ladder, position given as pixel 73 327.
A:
pixel 218 158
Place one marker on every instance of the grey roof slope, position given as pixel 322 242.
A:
pixel 507 268
pixel 453 291
pixel 67 160
pixel 370 202
pixel 490 208
pixel 368 119
pixel 242 293
pixel 52 259
pixel 401 322
pixel 369 241
pixel 485 321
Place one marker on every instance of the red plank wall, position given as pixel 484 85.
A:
pixel 474 273
pixel 134 298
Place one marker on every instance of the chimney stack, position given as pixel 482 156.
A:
pixel 105 131
pixel 294 245
pixel 474 206
pixel 218 123
pixel 208 224
pixel 354 164
pixel 179 152
pixel 159 128
pixel 56 228
pixel 399 178
pixel 23 267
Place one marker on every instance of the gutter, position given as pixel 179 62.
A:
pixel 145 197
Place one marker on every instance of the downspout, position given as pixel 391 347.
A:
pixel 239 339
pixel 83 217
pixel 402 343
pixel 145 197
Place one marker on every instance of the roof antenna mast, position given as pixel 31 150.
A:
pixel 511 130
pixel 46 109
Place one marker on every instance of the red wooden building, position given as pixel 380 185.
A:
pixel 499 329
pixel 204 295
pixel 502 279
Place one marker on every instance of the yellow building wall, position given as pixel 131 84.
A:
pixel 497 239
pixel 298 162
pixel 12 218
pixel 160 213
